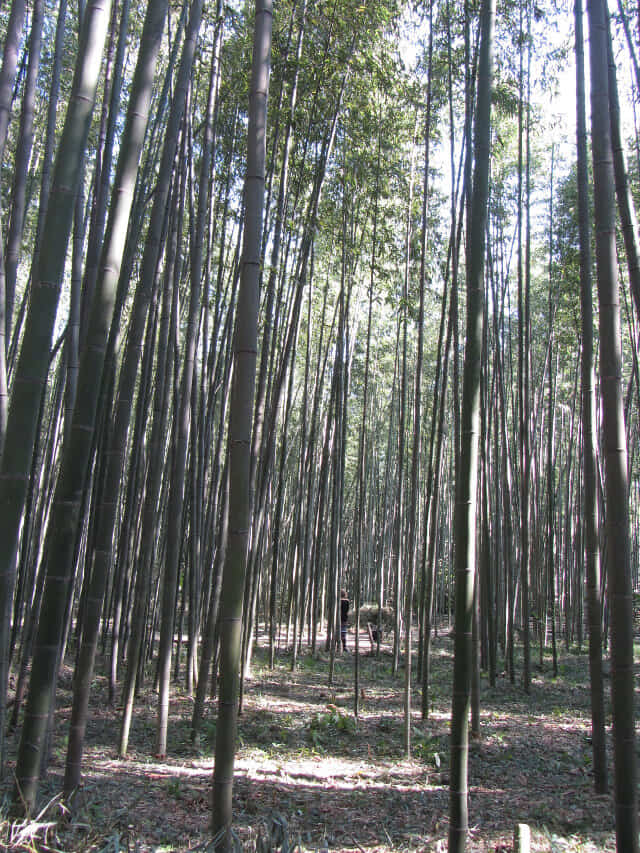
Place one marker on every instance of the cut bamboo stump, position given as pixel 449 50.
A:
pixel 521 838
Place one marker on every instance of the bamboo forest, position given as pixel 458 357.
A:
pixel 319 425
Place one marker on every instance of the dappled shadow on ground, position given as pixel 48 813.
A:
pixel 339 782
pixel 323 804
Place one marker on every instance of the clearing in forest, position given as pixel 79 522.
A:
pixel 307 768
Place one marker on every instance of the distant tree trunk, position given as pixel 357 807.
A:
pixel 626 208
pixel 151 507
pixel 548 600
pixel 315 493
pixel 399 512
pixel 296 539
pixel 47 158
pixel 102 176
pixel 243 387
pixel 430 536
pixel 335 579
pixel 10 51
pixel 131 146
pixel 412 523
pixel 589 437
pixel 4 346
pixel 267 445
pixel 177 488
pixel 34 356
pixel 363 448
pixel 61 544
pixel 489 571
pixel 275 256
pixel 279 225
pixel 211 631
pixel 524 356
pixel 303 507
pixel 616 483
pixel 16 222
pixel 467 465
pixel 23 154
pixel 140 308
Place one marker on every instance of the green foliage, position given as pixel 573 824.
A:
pixel 272 732
pixel 431 749
pixel 208 732
pixel 326 725
pixel 566 260
pixel 505 98
pixel 174 787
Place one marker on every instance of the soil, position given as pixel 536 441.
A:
pixel 309 773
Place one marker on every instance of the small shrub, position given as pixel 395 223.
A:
pixel 430 750
pixel 324 726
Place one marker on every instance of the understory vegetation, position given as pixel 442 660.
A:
pixel 310 773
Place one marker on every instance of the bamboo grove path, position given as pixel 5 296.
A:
pixel 304 763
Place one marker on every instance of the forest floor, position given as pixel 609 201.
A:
pixel 336 783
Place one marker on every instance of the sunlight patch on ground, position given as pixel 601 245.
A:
pixel 152 769
pixel 338 774
pixel 317 772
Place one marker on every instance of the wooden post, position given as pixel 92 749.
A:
pixel 521 838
